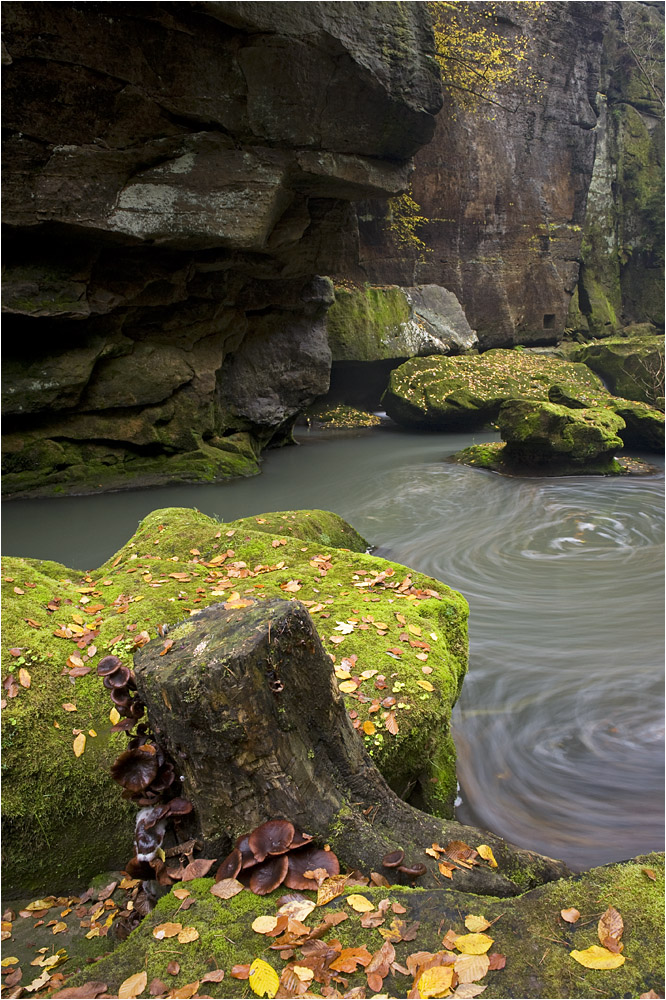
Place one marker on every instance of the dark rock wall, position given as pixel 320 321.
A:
pixel 504 191
pixel 175 177
pixel 622 269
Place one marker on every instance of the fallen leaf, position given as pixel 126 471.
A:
pixel 369 728
pixel 89 990
pixel 486 852
pixel 571 915
pixel 475 924
pixel 426 685
pixel 473 944
pixel 348 686
pixel 188 934
pixel 435 982
pixel 173 968
pixel 392 724
pixel 70 707
pixel 610 929
pixel 167 930
pixel 185 992
pixel 24 678
pixel 497 961
pixel 598 958
pixel 449 939
pixel 226 888
pixel 298 909
pixel 59 927
pixel 650 874
pixel 466 991
pixel 359 903
pixel 471 968
pixel 216 976
pixel 349 958
pixel 264 924
pixel 133 986
pixel 650 996
pixel 264 980
pixel 79 745
pixel 240 972
pixel 197 869
pixel 114 716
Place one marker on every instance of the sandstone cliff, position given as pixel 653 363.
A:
pixel 176 176
pixel 504 189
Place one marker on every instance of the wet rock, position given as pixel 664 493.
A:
pixel 537 433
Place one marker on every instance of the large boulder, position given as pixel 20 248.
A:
pixel 539 433
pixel 453 392
pixel 632 367
pixel 532 941
pixel 63 817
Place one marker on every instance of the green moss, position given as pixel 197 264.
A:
pixel 527 929
pixel 43 467
pixel 450 392
pixel 632 367
pixel 57 805
pixel 492 456
pixel 364 321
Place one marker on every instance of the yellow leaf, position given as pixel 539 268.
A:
pixel 114 717
pixel 598 958
pixel 41 904
pixel 59 927
pixel 414 629
pixel 24 678
pixel 9 961
pixel 360 903
pixel 133 986
pixel 426 685
pixel 486 853
pixel 475 924
pixel 473 944
pixel 263 925
pixel 91 732
pixel 369 728
pixel 471 968
pixel 178 893
pixel 303 973
pixel 263 978
pixel 69 706
pixel 188 934
pixel 330 889
pixel 79 745
pixel 435 982
pixel 348 686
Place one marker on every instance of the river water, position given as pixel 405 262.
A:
pixel 560 726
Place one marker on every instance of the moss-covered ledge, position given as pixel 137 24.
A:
pixel 63 817
pixel 528 930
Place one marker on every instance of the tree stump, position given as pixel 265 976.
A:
pixel 246 703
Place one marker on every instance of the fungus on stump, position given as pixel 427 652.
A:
pixel 247 705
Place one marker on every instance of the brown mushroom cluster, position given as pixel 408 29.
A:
pixel 275 853
pixel 146 775
pixel 395 860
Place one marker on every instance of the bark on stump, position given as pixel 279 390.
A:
pixel 247 705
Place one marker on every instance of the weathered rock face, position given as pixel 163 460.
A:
pixel 504 191
pixel 175 178
pixel 622 268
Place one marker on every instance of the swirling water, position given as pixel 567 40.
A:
pixel 560 726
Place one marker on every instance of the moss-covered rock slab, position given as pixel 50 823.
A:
pixel 340 417
pixel 63 817
pixel 631 367
pixel 528 931
pixel 537 433
pixel 448 393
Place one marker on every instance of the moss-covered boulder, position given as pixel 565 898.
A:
pixel 63 817
pixel 537 433
pixel 631 367
pixel 528 931
pixel 454 392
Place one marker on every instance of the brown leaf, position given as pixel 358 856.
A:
pixel 392 724
pixel 349 958
pixel 88 991
pixel 450 938
pixel 571 915
pixel 156 986
pixel 226 888
pixel 652 876
pixel 173 968
pixel 650 996
pixel 497 961
pixel 240 972
pixel 167 646
pixel 216 976
pixel 24 678
pixel 185 992
pixel 198 868
pixel 610 930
